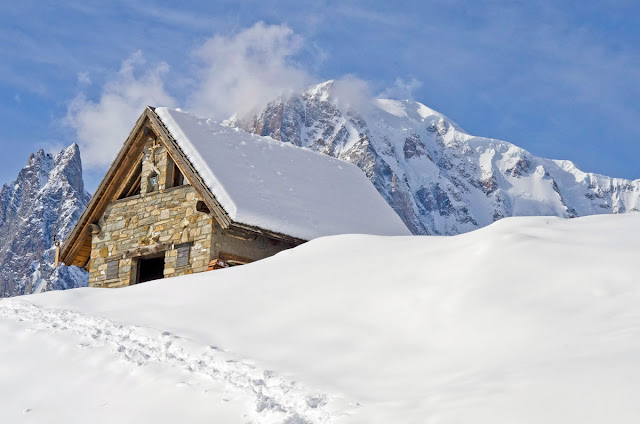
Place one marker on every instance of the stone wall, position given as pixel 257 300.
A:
pixel 149 224
pixel 156 161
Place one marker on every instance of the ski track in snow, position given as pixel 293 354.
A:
pixel 276 398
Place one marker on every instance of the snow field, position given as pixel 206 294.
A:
pixel 528 320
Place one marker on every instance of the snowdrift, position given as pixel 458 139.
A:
pixel 528 320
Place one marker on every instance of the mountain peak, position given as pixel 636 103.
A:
pixel 70 154
pixel 72 149
pixel 35 159
pixel 322 91
pixel 46 199
pixel 437 177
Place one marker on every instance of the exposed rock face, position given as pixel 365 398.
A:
pixel 44 201
pixel 437 177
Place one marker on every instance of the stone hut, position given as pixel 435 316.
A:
pixel 188 195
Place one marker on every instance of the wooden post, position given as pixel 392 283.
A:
pixel 57 244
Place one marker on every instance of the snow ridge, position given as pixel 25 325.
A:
pixel 277 399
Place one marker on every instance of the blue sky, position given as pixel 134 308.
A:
pixel 560 79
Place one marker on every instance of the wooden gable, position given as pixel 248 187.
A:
pixel 122 179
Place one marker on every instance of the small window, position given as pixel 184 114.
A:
pixel 112 269
pixel 152 182
pixel 178 178
pixel 183 255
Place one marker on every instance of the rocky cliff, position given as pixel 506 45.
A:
pixel 44 202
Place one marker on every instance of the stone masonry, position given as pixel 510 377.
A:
pixel 154 221
pixel 131 225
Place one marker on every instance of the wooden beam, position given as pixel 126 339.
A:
pixel 135 187
pixel 146 250
pixel 240 234
pixel 127 180
pixel 230 257
pixel 102 196
pixel 277 236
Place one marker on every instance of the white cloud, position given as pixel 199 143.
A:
pixel 352 92
pixel 236 74
pixel 401 89
pixel 246 70
pixel 102 126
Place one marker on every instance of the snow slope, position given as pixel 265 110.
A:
pixel 528 320
pixel 280 187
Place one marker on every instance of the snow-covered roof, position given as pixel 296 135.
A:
pixel 280 187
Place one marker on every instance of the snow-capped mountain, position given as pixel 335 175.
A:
pixel 437 177
pixel 44 201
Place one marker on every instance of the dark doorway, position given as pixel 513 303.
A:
pixel 150 269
